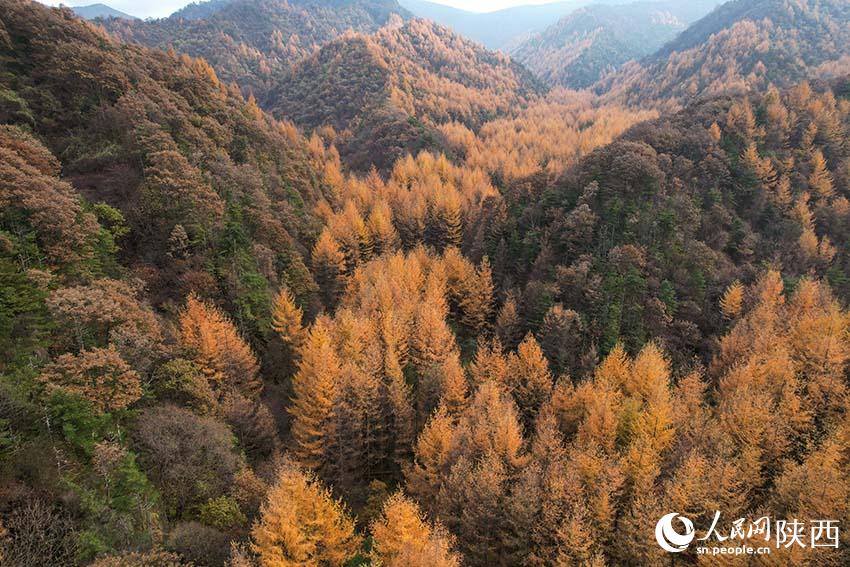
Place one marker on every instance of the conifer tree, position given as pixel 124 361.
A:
pixel 329 269
pixel 820 180
pixel 314 389
pixel 287 323
pixel 403 538
pixel 301 524
pixel 214 344
pixel 476 298
pixel 732 300
pixel 529 379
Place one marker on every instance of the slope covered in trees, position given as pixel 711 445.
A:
pixel 251 42
pixel 384 93
pixel 743 46
pixel 221 347
pixel 642 236
pixel 583 46
pixel 208 194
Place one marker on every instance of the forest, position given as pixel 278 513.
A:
pixel 320 283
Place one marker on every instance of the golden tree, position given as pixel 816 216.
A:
pixel 403 538
pixel 314 390
pixel 329 268
pixel 820 180
pixel 287 319
pixel 528 378
pixel 301 524
pixel 213 342
pixel 732 300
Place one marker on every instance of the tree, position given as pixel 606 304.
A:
pixel 213 342
pixel 314 393
pixel 402 537
pixel 329 269
pixel 287 323
pixel 561 339
pixel 287 319
pixel 191 459
pixel 301 524
pixel 99 375
pixel 528 379
pixel 732 300
pixel 509 324
pixel 34 533
pixel 820 180
pixel 476 298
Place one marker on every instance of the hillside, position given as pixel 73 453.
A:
pixel 743 46
pixel 447 320
pixel 642 237
pixel 384 93
pixel 94 11
pixel 251 42
pixel 176 151
pixel 590 42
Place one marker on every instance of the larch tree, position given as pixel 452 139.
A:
pixel 509 324
pixel 287 319
pixel 329 269
pixel 301 524
pixel 561 339
pixel 820 180
pixel 213 343
pixel 528 378
pixel 404 538
pixel 314 393
pixel 287 323
pixel 476 299
pixel 732 300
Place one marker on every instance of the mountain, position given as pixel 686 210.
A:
pixel 502 29
pixel 461 321
pixel 251 41
pixel 175 150
pixel 94 11
pixel 642 236
pixel 743 45
pixel 385 92
pixel 592 41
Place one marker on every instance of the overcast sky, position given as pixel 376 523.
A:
pixel 162 8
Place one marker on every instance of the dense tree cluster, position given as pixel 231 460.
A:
pixel 224 343
pixel 745 45
pixel 590 42
pixel 250 42
pixel 384 93
pixel 550 136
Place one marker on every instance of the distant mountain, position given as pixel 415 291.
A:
pixel 94 11
pixel 385 92
pixel 252 41
pixel 584 45
pixel 503 29
pixel 744 45
pixel 198 10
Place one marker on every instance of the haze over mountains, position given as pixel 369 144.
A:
pixel 589 42
pixel 94 11
pixel 289 282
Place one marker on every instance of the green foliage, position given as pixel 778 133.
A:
pixel 222 513
pixel 79 423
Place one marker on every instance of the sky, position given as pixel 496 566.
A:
pixel 162 8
